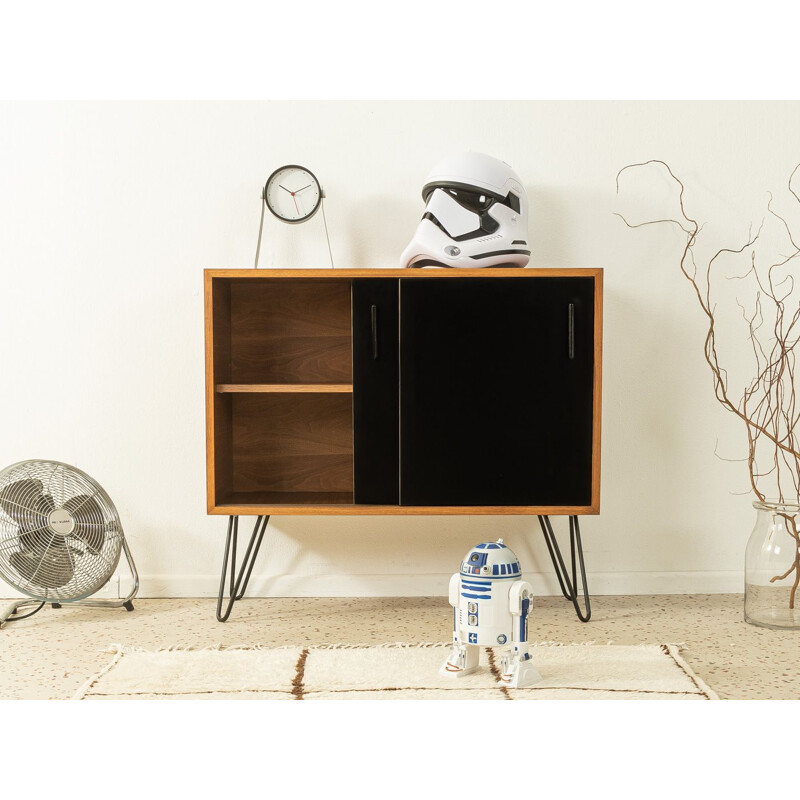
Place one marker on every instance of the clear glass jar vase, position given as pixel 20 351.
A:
pixel 772 566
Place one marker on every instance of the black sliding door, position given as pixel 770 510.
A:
pixel 496 381
pixel 376 452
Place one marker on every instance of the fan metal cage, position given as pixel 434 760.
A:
pixel 60 534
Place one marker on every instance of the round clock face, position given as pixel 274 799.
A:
pixel 292 193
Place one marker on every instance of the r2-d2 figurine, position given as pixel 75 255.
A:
pixel 491 604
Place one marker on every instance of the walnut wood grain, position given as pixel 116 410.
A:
pixel 285 388
pixel 294 499
pixel 310 473
pixel 324 359
pixel 295 307
pixel 285 442
pixel 290 331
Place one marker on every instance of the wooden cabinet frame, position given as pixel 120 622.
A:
pixel 277 347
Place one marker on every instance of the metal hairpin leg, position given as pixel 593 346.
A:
pixel 569 588
pixel 238 583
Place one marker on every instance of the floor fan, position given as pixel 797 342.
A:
pixel 60 538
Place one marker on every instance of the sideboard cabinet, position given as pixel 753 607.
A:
pixel 384 391
pixel 403 391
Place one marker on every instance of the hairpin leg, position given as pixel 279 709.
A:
pixel 238 582
pixel 569 588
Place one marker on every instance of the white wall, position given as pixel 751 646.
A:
pixel 110 211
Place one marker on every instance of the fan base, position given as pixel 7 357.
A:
pixel 7 615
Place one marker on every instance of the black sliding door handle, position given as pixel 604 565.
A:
pixel 374 323
pixel 571 330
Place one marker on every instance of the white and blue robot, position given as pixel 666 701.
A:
pixel 491 604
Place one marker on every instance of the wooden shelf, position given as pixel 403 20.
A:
pixel 285 388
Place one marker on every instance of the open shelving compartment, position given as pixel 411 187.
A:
pixel 282 404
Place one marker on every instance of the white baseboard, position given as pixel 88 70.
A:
pixel 334 585
pixel 434 585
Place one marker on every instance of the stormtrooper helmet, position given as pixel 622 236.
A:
pixel 476 215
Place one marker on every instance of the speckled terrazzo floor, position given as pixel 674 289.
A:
pixel 51 654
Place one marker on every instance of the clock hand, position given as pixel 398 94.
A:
pixel 304 188
pixel 285 189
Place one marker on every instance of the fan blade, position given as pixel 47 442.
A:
pixel 20 501
pixel 51 570
pixel 34 535
pixel 89 522
pixel 45 504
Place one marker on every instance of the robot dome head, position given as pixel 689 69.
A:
pixel 476 215
pixel 493 560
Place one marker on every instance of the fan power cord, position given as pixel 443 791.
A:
pixel 15 618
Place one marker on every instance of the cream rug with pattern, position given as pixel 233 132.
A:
pixel 392 672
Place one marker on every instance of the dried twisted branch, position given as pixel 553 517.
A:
pixel 768 404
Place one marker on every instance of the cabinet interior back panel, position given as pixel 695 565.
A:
pixel 290 331
pixel 292 443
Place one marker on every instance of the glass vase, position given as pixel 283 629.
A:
pixel 772 567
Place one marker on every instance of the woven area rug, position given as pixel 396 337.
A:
pixel 391 672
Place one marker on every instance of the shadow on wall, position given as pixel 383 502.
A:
pixel 392 545
pixel 379 228
pixel 660 356
pixel 552 231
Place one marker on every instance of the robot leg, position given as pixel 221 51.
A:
pixel 463 660
pixel 517 669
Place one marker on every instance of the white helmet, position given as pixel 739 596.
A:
pixel 476 215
